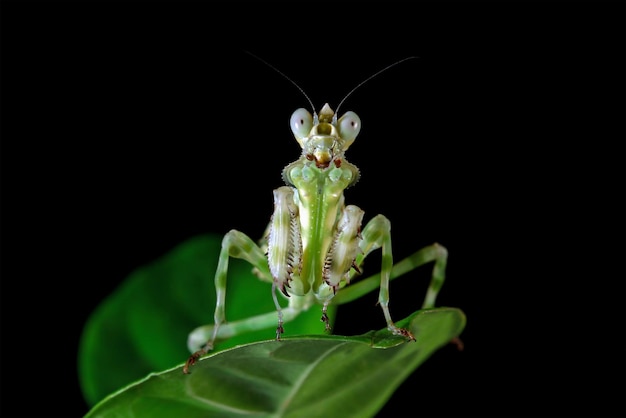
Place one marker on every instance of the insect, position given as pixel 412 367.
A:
pixel 314 245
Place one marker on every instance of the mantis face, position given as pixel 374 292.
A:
pixel 324 139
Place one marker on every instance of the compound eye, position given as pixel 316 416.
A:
pixel 301 123
pixel 349 126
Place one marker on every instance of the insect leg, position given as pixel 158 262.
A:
pixel 377 234
pixel 198 337
pixel 325 318
pixel 436 253
pixel 234 244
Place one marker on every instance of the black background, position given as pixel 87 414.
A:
pixel 130 127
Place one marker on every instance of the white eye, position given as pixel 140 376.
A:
pixel 301 123
pixel 349 126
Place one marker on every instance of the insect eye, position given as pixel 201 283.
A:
pixel 301 123
pixel 349 126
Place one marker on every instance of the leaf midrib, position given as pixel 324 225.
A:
pixel 302 379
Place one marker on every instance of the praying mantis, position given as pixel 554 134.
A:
pixel 314 245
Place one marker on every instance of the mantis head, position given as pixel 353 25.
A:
pixel 323 138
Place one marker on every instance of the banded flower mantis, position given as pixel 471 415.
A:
pixel 314 245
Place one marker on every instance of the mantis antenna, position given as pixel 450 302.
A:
pixel 369 78
pixel 346 96
pixel 284 75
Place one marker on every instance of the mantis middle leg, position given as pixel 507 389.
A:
pixel 377 234
pixel 238 245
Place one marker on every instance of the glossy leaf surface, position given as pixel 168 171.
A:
pixel 309 376
pixel 142 326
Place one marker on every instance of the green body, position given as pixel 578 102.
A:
pixel 315 243
pixel 320 202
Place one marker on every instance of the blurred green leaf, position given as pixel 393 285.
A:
pixel 311 376
pixel 142 326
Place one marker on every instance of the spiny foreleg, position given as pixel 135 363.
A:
pixel 342 254
pixel 284 249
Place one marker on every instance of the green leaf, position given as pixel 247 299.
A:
pixel 142 326
pixel 311 376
